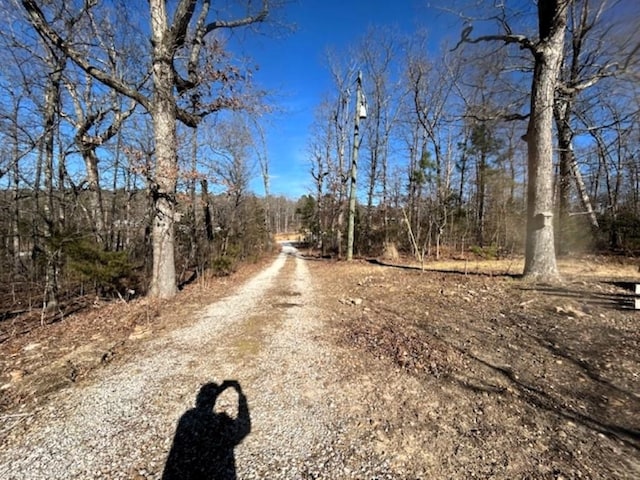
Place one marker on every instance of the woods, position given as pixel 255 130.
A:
pixel 130 143
pixel 113 179
pixel 483 145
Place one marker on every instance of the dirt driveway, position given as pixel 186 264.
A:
pixel 337 370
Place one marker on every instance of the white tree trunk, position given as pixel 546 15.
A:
pixel 540 256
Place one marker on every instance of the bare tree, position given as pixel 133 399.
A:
pixel 376 52
pixel 588 60
pixel 176 67
pixel 547 51
pixel 91 115
pixel 343 77
pixel 430 87
pixel 320 152
pixel 616 151
pixel 233 171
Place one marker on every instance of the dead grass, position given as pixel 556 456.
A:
pixel 584 267
pixel 544 378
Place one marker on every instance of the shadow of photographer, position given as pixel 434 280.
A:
pixel 204 442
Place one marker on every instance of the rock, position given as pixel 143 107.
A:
pixel 31 346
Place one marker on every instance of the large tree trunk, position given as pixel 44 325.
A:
pixel 540 256
pixel 163 113
pixel 163 281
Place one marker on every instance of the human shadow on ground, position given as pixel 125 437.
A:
pixel 204 442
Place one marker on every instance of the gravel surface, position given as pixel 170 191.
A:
pixel 122 425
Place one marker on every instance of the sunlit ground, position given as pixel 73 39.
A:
pixel 574 267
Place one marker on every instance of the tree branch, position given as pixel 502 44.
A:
pixel 44 29
pixel 573 88
pixel 180 24
pixel 240 22
pixel 522 40
pixel 198 41
pixel 507 117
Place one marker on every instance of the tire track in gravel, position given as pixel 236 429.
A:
pixel 122 425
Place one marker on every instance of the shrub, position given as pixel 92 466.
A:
pixel 109 271
pixel 222 266
pixel 488 253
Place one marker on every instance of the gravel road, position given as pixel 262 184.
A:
pixel 266 340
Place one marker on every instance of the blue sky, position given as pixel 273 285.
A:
pixel 293 66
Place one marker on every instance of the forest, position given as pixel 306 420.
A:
pixel 129 144
pixel 444 149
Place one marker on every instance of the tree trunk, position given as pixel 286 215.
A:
pixel 163 113
pixel 206 209
pixel 373 167
pixel 15 214
pixel 194 249
pixel 540 257
pixel 163 281
pixel 482 191
pixel 95 192
pixel 111 234
pixel 52 99
pixel 385 207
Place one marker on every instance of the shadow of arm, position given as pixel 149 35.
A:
pixel 243 421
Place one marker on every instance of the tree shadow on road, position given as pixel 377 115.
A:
pixel 455 271
pixel 587 294
pixel 204 442
pixel 555 371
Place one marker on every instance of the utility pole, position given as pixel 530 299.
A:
pixel 361 113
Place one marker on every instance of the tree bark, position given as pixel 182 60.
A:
pixel 51 110
pixel 95 193
pixel 540 257
pixel 163 113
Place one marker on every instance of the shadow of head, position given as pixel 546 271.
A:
pixel 207 396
